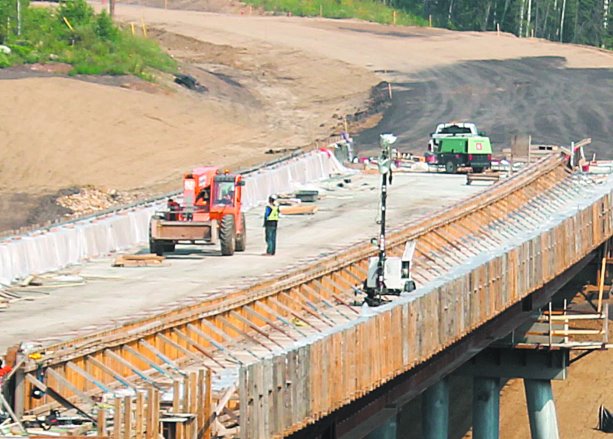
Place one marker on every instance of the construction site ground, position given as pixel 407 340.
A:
pixel 279 82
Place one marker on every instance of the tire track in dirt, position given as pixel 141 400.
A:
pixel 537 96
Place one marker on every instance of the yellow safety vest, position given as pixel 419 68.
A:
pixel 274 214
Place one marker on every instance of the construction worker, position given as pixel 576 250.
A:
pixel 203 199
pixel 271 218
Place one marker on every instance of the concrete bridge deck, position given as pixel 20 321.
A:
pixel 283 353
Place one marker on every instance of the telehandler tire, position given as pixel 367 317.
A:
pixel 156 247
pixel 227 235
pixel 450 167
pixel 241 238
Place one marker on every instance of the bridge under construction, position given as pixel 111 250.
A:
pixel 298 354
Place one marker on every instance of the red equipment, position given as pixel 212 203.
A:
pixel 210 213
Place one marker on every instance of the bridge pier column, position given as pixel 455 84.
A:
pixel 486 408
pixel 541 409
pixel 389 430
pixel 435 411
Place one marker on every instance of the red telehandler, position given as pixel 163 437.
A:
pixel 210 213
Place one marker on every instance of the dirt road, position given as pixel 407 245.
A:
pixel 285 81
pixel 556 93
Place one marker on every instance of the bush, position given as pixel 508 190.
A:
pixel 105 29
pixel 77 12
pixel 94 45
pixel 4 60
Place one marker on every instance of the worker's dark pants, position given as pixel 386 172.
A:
pixel 271 239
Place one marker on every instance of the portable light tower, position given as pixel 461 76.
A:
pixel 384 164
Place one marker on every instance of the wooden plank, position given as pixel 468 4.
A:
pixel 161 356
pixel 11 413
pixel 176 396
pixel 130 366
pixel 117 418
pixel 150 408
pixel 139 415
pixel 201 415
pixel 147 361
pixel 101 425
pixel 208 405
pixel 127 417
pixel 88 377
pixel 60 378
pixel 156 413
pixel 198 347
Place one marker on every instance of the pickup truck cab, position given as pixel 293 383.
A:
pixel 452 129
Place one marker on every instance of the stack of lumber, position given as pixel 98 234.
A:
pixel 490 176
pixel 146 260
pixel 298 209
pixel 293 204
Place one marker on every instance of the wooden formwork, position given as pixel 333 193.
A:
pixel 347 362
pixel 244 331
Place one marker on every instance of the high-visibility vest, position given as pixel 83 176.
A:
pixel 274 214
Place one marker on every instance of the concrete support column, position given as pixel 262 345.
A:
pixel 435 411
pixel 389 430
pixel 541 409
pixel 486 408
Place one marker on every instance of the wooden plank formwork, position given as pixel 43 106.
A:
pixel 396 337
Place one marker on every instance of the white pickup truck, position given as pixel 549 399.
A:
pixel 457 129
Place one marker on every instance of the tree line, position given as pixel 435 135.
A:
pixel 568 21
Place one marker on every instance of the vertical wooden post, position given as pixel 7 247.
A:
pixel 176 401
pixel 112 8
pixel 321 10
pixel 430 20
pixel 127 417
pixel 394 17
pixel 101 427
pixel 156 413
pixel 200 419
pixel 603 271
pixel 139 415
pixel 193 403
pixel 149 414
pixel 185 401
pixel 208 406
pixel 117 419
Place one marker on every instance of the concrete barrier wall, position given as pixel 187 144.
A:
pixel 51 249
pixel 283 393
